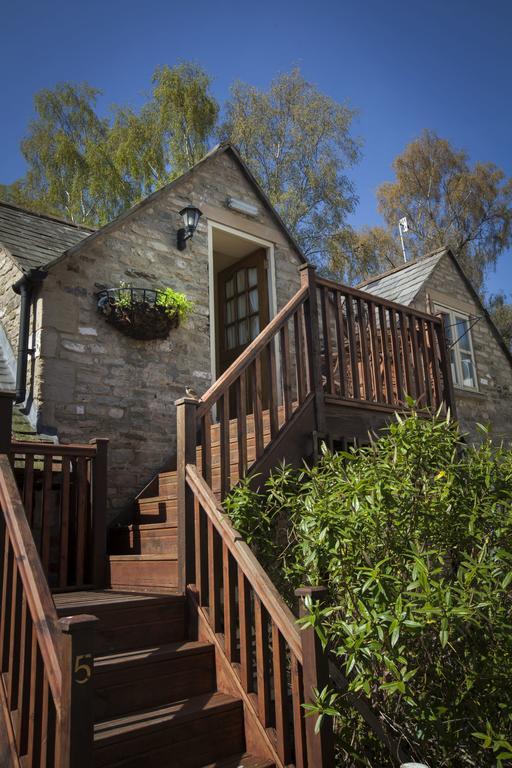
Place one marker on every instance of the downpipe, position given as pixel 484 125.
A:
pixel 24 287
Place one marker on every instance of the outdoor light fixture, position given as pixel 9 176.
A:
pixel 242 207
pixel 191 218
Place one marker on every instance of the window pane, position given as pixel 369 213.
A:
pixel 253 301
pixel 242 306
pixel 253 276
pixel 463 334
pixel 255 326
pixel 231 337
pixel 230 311
pixel 454 367
pixel 242 332
pixel 468 370
pixel 230 287
pixel 240 280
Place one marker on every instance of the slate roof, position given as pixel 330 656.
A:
pixel 403 283
pixel 33 239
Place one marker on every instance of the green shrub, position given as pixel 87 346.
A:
pixel 413 538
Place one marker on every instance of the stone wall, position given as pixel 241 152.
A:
pixel 93 380
pixel 9 301
pixel 492 404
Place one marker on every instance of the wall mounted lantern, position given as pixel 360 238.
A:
pixel 191 218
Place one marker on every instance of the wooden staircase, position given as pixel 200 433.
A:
pixel 143 555
pixel 156 701
pixel 169 645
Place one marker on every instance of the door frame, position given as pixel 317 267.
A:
pixel 271 278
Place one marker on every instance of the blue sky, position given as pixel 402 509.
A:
pixel 444 65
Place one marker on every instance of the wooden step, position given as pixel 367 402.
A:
pixel 154 573
pixel 241 761
pixel 194 732
pixel 143 539
pixel 128 621
pixel 158 509
pixel 151 677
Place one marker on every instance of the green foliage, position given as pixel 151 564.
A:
pixel 298 144
pixel 89 169
pixel 446 202
pixel 501 312
pixel 173 302
pixel 413 538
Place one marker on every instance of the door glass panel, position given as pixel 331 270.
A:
pixel 240 280
pixel 253 300
pixel 255 326
pixel 242 306
pixel 230 311
pixel 230 288
pixel 253 276
pixel 242 332
pixel 231 337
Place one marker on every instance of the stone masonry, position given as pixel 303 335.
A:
pixel 91 380
pixel 492 404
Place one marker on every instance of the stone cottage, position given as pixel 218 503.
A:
pixel 481 363
pixel 77 375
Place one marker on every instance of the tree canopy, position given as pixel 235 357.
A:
pixel 447 201
pixel 88 168
pixel 298 143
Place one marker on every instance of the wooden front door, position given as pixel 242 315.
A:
pixel 243 305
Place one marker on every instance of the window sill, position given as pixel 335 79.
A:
pixel 468 393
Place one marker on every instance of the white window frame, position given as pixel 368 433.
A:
pixel 453 314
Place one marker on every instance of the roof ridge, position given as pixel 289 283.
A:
pixel 46 216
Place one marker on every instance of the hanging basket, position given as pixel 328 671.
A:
pixel 136 313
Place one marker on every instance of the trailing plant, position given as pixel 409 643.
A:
pixel 412 535
pixel 173 302
pixel 144 313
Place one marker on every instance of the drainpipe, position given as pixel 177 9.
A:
pixel 24 287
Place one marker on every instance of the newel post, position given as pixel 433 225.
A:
pixel 186 430
pixel 320 746
pixel 77 706
pixel 99 510
pixel 6 402
pixel 314 345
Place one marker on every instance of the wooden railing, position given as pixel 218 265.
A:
pixel 257 395
pixel 45 664
pixel 329 341
pixel 64 491
pixel 375 352
pixel 277 666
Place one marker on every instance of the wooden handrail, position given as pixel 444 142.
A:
pixel 36 589
pixel 55 449
pixel 250 352
pixel 367 296
pixel 245 558
pixel 48 710
pixel 64 489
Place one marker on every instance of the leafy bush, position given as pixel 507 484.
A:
pixel 413 538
